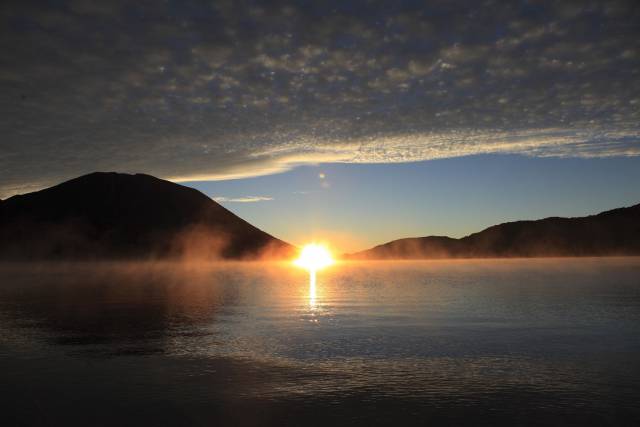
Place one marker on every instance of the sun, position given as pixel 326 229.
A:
pixel 314 257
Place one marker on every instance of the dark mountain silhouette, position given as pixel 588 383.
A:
pixel 614 232
pixel 121 216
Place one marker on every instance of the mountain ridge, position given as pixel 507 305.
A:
pixel 110 215
pixel 612 232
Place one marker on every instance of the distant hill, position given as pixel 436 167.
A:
pixel 614 232
pixel 121 216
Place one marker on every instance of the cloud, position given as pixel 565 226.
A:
pixel 201 90
pixel 245 199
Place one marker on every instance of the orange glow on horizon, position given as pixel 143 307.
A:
pixel 314 257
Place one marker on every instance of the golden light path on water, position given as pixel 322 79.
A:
pixel 314 257
pixel 312 288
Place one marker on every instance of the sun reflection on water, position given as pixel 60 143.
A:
pixel 313 257
pixel 312 289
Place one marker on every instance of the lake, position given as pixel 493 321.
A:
pixel 467 342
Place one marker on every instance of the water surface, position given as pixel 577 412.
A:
pixel 514 342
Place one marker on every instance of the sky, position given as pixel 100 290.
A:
pixel 436 117
pixel 353 207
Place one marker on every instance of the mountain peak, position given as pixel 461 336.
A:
pixel 117 215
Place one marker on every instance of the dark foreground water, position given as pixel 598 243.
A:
pixel 513 342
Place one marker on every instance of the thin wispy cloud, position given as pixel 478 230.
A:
pixel 244 199
pixel 218 90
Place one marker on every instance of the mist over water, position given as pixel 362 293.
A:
pixel 528 342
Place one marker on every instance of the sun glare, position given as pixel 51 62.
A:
pixel 314 257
